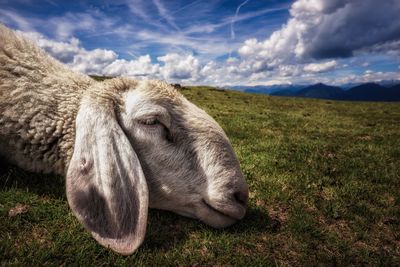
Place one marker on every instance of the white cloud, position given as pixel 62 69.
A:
pixel 10 17
pixel 367 76
pixel 106 62
pixel 219 73
pixel 182 67
pixel 65 26
pixel 320 67
pixel 328 29
pixel 370 75
pixel 141 67
pixel 207 47
pixel 391 48
pixel 93 61
pixel 63 51
pixel 92 22
pixel 71 53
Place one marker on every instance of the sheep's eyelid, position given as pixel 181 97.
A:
pixel 149 122
pixel 153 121
pixel 162 119
pixel 157 126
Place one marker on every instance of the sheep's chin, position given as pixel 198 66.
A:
pixel 208 215
pixel 214 218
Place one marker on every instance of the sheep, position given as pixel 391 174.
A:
pixel 123 145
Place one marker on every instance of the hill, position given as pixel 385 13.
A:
pixel 372 92
pixel 318 90
pixel 267 89
pixel 324 183
pixel 363 92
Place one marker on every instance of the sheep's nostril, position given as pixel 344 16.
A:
pixel 241 197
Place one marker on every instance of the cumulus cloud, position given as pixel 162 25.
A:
pixel 94 61
pixel 71 53
pixel 367 76
pixel 97 61
pixel 179 66
pixel 370 75
pixel 141 67
pixel 171 66
pixel 391 48
pixel 320 29
pixel 63 51
pixel 320 67
pixel 219 73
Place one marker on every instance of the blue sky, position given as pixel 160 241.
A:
pixel 218 42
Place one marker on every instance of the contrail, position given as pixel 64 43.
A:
pixel 233 23
pixel 184 7
pixel 170 18
pixel 164 14
pixel 234 19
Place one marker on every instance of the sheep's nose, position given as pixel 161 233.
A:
pixel 233 204
pixel 241 197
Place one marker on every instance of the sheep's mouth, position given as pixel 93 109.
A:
pixel 216 210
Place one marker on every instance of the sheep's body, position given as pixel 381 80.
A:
pixel 38 106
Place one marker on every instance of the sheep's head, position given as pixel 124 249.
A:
pixel 155 150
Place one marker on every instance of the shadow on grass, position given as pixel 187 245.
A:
pixel 42 184
pixel 256 221
pixel 167 230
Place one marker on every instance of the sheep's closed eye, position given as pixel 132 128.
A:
pixel 150 122
pixel 155 126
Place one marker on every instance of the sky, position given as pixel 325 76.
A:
pixel 218 42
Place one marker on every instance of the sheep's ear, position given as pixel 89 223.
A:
pixel 106 187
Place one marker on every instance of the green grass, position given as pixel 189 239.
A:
pixel 324 178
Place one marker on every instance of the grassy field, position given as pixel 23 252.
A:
pixel 324 178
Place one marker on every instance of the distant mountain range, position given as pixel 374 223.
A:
pixel 265 89
pixel 363 92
